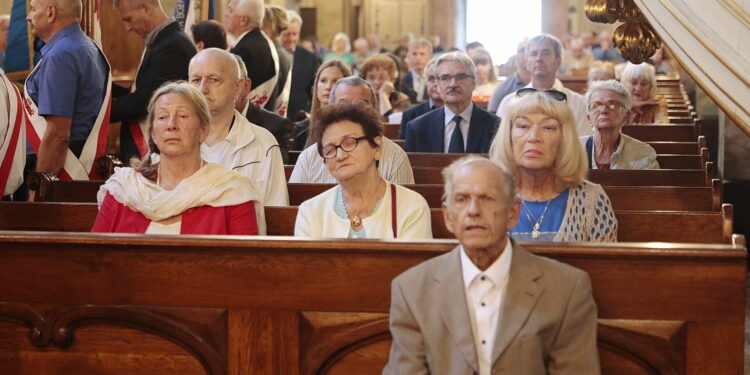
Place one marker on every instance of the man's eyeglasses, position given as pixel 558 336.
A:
pixel 554 94
pixel 599 106
pixel 348 144
pixel 446 78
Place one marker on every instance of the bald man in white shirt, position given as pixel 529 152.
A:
pixel 233 141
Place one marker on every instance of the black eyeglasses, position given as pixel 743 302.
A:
pixel 554 94
pixel 446 78
pixel 348 144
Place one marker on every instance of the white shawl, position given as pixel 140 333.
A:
pixel 212 185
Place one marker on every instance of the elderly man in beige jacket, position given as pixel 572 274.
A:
pixel 489 306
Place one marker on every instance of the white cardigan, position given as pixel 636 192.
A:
pixel 316 217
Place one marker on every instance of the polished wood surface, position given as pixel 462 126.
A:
pixel 238 305
pixel 634 226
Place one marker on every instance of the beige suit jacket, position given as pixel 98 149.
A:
pixel 547 320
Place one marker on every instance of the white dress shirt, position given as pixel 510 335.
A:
pixel 574 100
pixel 253 151
pixel 485 292
pixel 418 83
pixel 450 125
pixel 395 167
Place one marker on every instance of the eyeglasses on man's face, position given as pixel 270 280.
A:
pixel 347 144
pixel 599 106
pixel 447 78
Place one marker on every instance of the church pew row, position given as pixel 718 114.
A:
pixel 622 197
pixel 683 132
pixel 661 147
pixel 654 177
pixel 634 226
pixel 123 304
pixel 640 198
pixel 690 160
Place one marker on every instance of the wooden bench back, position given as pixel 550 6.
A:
pixel 120 304
pixel 622 197
pixel 641 226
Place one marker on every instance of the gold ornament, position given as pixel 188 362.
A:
pixel 603 11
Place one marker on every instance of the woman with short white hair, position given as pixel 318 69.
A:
pixel 538 143
pixel 340 50
pixel 640 81
pixel 608 106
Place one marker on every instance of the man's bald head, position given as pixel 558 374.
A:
pixel 224 59
pixel 216 73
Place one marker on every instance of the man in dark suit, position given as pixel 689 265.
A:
pixel 304 66
pixel 280 127
pixel 460 126
pixel 414 85
pixel 433 99
pixel 243 20
pixel 168 51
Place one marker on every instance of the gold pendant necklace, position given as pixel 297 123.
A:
pixel 356 221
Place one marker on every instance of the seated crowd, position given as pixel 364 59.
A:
pixel 208 144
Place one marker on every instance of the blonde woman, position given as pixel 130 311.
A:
pixel 538 143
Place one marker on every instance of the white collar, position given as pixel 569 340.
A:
pixel 465 115
pixel 497 272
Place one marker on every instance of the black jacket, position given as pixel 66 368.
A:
pixel 254 50
pixel 304 68
pixel 280 127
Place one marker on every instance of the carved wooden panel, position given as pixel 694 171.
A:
pixel 346 343
pixel 93 339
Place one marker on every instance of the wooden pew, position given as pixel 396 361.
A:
pixel 645 198
pixel 678 129
pixel 654 177
pixel 622 197
pixel 120 304
pixel 661 147
pixel 664 226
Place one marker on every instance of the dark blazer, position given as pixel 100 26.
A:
pixel 304 67
pixel 285 62
pixel 426 133
pixel 410 114
pixel 254 50
pixel 408 87
pixel 300 134
pixel 280 127
pixel 166 59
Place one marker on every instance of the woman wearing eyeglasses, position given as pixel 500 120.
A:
pixel 538 143
pixel 363 204
pixel 609 105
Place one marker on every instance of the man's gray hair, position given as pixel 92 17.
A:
pixel 509 185
pixel 458 56
pixel 420 42
pixel 254 9
pixel 428 67
pixel 549 39
pixel 611 85
pixel 241 67
pixel 351 81
pixel 292 16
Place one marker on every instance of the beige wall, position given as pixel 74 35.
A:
pixel 5 7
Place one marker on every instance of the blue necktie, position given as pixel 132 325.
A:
pixel 457 139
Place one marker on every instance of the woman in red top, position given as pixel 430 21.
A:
pixel 173 191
